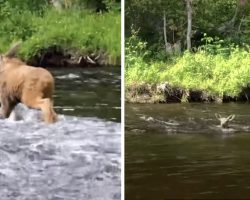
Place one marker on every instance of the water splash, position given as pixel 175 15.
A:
pixel 75 158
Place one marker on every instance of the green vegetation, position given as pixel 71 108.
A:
pixel 213 68
pixel 216 74
pixel 229 19
pixel 40 26
pixel 82 30
pixel 219 63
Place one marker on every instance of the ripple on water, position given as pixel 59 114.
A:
pixel 75 158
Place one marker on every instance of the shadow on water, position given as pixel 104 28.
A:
pixel 179 151
pixel 76 158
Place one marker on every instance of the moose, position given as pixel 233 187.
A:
pixel 21 83
pixel 224 121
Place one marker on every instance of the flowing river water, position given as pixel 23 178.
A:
pixel 79 157
pixel 179 151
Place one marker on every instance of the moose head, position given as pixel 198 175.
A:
pixel 224 121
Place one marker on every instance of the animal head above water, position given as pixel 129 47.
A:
pixel 224 121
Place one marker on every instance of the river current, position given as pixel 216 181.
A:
pixel 78 157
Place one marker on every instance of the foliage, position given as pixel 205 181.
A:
pixel 137 13
pixel 70 28
pixel 81 30
pixel 134 48
pixel 39 5
pixel 137 66
pixel 208 17
pixel 209 69
pixel 220 63
pixel 245 31
pixel 219 46
pixel 7 7
pixel 217 74
pixel 112 5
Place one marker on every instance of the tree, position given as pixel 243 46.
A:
pixel 164 30
pixel 189 24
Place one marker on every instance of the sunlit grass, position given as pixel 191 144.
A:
pixel 213 73
pixel 79 29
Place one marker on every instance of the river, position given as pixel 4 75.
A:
pixel 79 157
pixel 179 151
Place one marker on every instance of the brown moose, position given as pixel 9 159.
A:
pixel 20 83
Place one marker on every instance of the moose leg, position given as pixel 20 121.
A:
pixel 6 107
pixel 45 105
pixel 49 114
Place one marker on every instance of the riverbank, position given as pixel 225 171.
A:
pixel 167 93
pixel 71 37
pixel 191 77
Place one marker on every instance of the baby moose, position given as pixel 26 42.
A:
pixel 224 121
pixel 20 83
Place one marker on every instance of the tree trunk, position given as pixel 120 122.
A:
pixel 189 27
pixel 164 29
pixel 168 47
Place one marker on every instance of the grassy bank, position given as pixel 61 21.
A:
pixel 214 69
pixel 83 30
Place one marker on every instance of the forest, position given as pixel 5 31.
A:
pixel 65 30
pixel 192 45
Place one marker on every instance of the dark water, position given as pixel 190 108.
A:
pixel 79 157
pixel 178 151
pixel 92 92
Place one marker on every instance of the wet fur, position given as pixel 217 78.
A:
pixel 32 86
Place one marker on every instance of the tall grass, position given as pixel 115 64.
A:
pixel 74 28
pixel 225 70
pixel 216 74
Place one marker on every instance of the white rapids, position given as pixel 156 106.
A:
pixel 73 159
